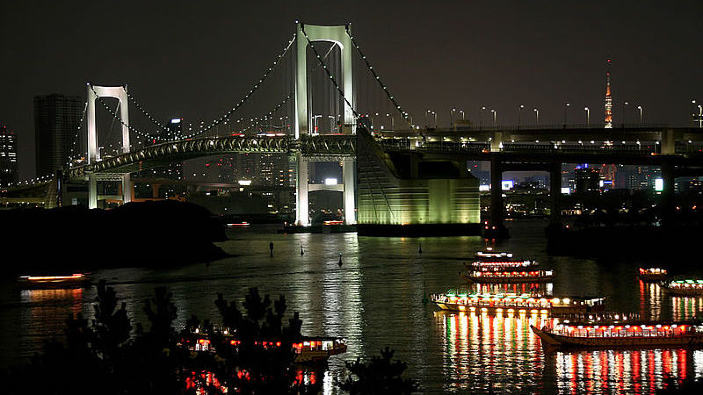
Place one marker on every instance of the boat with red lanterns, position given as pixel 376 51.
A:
pixel 507 276
pixel 511 303
pixel 638 334
pixel 307 350
pixel 652 274
pixel 76 280
pixel 684 287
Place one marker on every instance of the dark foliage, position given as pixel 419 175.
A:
pixel 105 356
pixel 184 233
pixel 380 375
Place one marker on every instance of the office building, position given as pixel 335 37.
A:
pixel 56 121
pixel 8 156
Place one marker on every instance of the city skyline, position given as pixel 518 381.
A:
pixel 513 55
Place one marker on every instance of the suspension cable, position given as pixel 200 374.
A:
pixel 131 128
pixel 403 113
pixel 324 67
pixel 251 91
pixel 76 137
pixel 130 97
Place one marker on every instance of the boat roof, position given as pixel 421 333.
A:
pixel 460 294
pixel 633 323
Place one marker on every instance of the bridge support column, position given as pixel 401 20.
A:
pixel 667 199
pixel 555 193
pixel 126 189
pixel 496 228
pixel 667 143
pixel 348 167
pixel 497 142
pixel 92 191
pixel 302 217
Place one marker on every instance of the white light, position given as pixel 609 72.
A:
pixel 507 185
pixel 330 181
pixel 658 184
pixel 244 182
pixel 484 188
pixel 565 191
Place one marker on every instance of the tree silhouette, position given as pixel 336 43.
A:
pixel 378 376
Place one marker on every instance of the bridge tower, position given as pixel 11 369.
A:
pixel 119 93
pixel 303 118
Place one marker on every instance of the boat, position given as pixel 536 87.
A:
pixel 307 350
pixel 487 261
pixel 76 280
pixel 652 274
pixel 516 303
pixel 621 335
pixel 506 276
pixel 684 287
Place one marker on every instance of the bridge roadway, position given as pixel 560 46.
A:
pixel 471 144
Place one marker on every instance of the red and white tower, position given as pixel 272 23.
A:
pixel 608 100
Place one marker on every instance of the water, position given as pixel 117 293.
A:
pixel 375 299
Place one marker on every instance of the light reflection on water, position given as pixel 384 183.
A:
pixel 377 298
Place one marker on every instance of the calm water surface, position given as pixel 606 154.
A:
pixel 376 299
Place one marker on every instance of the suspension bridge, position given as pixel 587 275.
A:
pixel 319 109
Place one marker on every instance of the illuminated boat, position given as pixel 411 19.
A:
pixel 307 350
pixel 490 254
pixel 652 274
pixel 238 225
pixel 499 261
pixel 76 280
pixel 495 276
pixel 684 287
pixel 626 335
pixel 515 303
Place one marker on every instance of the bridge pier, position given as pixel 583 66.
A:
pixel 496 227
pixel 555 193
pixel 126 189
pixel 302 216
pixel 348 167
pixel 92 191
pixel 668 211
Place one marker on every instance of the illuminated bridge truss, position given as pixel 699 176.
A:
pixel 321 147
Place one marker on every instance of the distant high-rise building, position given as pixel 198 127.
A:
pixel 56 120
pixel 608 100
pixel 8 156
pixel 587 179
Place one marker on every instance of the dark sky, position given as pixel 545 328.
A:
pixel 198 57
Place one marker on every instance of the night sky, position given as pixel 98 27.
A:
pixel 197 58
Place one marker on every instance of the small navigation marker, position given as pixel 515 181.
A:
pixel 419 250
pixel 301 251
pixel 340 260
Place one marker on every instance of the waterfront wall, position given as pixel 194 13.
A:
pixel 409 189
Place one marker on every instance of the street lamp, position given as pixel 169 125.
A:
pixel 588 117
pixel 392 121
pixel 480 121
pixel 640 110
pixel 519 112
pixel 495 115
pixel 566 113
pixel 451 117
pixel 624 118
pixel 536 116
